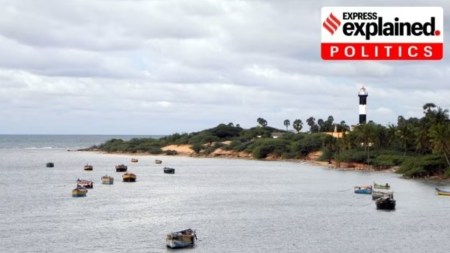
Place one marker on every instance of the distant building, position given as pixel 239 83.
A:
pixel 277 135
pixel 336 134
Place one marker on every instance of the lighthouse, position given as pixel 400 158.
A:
pixel 362 105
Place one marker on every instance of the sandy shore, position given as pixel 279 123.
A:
pixel 312 158
pixel 184 149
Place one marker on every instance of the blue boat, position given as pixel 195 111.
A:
pixel 367 189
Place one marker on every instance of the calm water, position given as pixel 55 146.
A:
pixel 235 205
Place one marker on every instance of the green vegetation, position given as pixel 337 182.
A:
pixel 420 147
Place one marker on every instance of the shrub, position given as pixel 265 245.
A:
pixel 263 147
pixel 423 166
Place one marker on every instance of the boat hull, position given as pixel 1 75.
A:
pixel 363 190
pixel 442 193
pixel 129 177
pixel 181 239
pixel 177 244
pixel 385 203
pixel 78 192
pixel 169 170
pixel 121 168
pixel 107 180
pixel 85 184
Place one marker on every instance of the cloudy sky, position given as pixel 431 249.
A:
pixel 165 66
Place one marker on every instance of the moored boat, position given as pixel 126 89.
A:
pixel 181 239
pixel 121 168
pixel 378 193
pixel 365 189
pixel 50 165
pixel 129 177
pixel 442 193
pixel 385 203
pixel 85 183
pixel 158 161
pixel 168 170
pixel 134 160
pixel 88 167
pixel 107 179
pixel 79 192
pixel 381 186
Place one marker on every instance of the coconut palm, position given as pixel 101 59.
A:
pixel 297 125
pixel 286 123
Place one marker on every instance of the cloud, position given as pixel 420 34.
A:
pixel 158 67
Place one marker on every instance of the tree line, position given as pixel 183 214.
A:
pixel 418 146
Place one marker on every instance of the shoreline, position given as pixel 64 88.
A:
pixel 312 159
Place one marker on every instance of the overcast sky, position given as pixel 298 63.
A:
pixel 166 66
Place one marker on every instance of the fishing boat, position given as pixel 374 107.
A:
pixel 441 192
pixel 378 193
pixel 85 183
pixel 181 239
pixel 365 189
pixel 385 203
pixel 168 170
pixel 107 179
pixel 50 165
pixel 129 177
pixel 121 168
pixel 381 186
pixel 134 160
pixel 158 161
pixel 88 167
pixel 79 192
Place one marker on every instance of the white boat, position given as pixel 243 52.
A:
pixel 181 239
pixel 107 179
pixel 378 193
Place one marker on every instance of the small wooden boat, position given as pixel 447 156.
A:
pixel 79 192
pixel 107 179
pixel 441 192
pixel 85 183
pixel 378 193
pixel 381 186
pixel 129 177
pixel 88 167
pixel 158 161
pixel 168 170
pixel 385 203
pixel 50 165
pixel 134 160
pixel 181 239
pixel 121 168
pixel 365 189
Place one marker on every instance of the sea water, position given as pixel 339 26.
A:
pixel 234 205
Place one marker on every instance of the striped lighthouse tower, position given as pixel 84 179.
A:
pixel 362 105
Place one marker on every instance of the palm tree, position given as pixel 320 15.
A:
pixel 297 125
pixel 427 108
pixel 440 139
pixel 311 121
pixel 286 123
pixel 321 125
pixel 262 122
